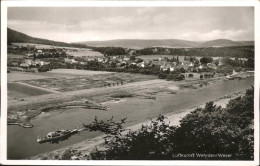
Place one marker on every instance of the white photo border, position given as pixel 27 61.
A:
pixel 220 3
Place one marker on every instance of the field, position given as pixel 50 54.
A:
pixel 41 46
pixel 77 72
pixel 16 56
pixel 84 79
pixel 18 91
pixel 70 50
pixel 16 76
pixel 85 52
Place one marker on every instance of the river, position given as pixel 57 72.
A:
pixel 21 142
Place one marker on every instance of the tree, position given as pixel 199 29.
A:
pixel 190 75
pixel 175 77
pixel 34 56
pixel 205 60
pixel 44 68
pixel 250 63
pixel 162 75
pixel 139 60
pixel 201 76
pixel 132 58
pixel 216 62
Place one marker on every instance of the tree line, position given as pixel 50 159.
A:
pixel 239 51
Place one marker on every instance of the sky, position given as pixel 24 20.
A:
pixel 68 24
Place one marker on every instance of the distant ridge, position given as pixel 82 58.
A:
pixel 171 43
pixel 141 43
pixel 15 36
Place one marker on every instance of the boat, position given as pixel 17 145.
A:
pixel 55 135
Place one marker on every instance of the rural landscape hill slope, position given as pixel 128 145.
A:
pixel 18 37
pixel 171 43
pixel 225 43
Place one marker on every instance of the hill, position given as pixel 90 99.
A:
pixel 224 43
pixel 139 43
pixel 169 43
pixel 14 36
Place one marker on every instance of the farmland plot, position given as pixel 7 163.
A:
pixel 16 90
pixel 88 81
pixel 17 76
pixel 78 72
pixel 85 52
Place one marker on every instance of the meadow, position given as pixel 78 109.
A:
pixel 18 91
pixel 78 72
pixel 85 52
pixel 40 46
pixel 85 79
pixel 17 76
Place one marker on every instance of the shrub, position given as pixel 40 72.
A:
pixel 44 68
pixel 162 75
pixel 190 75
pixel 201 76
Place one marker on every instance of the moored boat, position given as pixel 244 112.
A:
pixel 54 135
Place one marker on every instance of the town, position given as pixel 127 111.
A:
pixel 29 58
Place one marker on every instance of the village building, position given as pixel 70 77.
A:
pixel 167 66
pixel 41 63
pixel 39 51
pixel 212 65
pixel 24 65
pixel 141 64
pixel 71 61
pixel 126 59
pixel 100 59
pixel 29 54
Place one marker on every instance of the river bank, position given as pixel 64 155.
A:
pixel 22 118
pixel 20 113
pixel 80 151
pixel 137 110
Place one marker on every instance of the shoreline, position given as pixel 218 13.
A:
pixel 23 117
pixel 34 113
pixel 85 147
